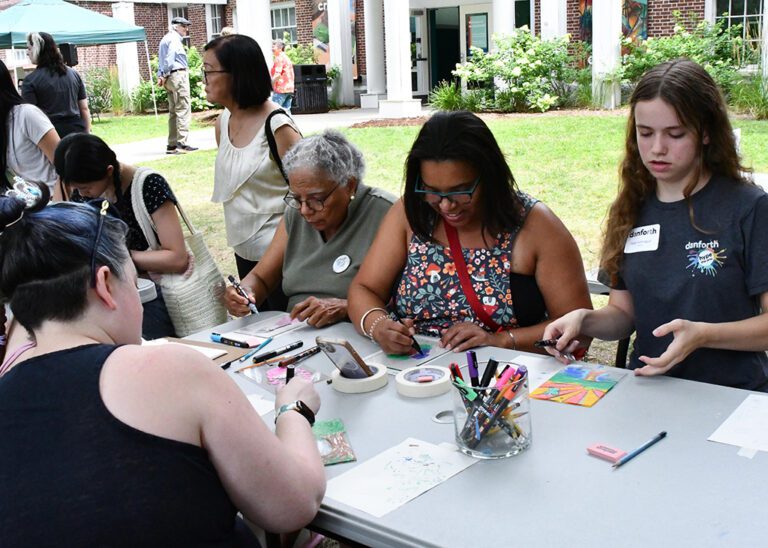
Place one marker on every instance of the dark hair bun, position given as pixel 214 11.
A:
pixel 22 197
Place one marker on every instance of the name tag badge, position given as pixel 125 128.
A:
pixel 341 263
pixel 643 238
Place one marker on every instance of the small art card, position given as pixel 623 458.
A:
pixel 272 378
pixel 272 327
pixel 397 362
pixel 579 385
pixel 332 442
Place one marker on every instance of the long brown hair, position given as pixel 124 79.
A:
pixel 699 105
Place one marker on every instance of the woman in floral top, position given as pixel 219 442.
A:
pixel 522 264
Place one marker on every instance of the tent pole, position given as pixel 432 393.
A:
pixel 15 73
pixel 151 80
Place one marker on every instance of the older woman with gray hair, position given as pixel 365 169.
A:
pixel 319 245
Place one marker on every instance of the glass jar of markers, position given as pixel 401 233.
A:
pixel 492 419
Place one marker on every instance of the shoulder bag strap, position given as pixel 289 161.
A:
pixel 466 284
pixel 272 143
pixel 140 208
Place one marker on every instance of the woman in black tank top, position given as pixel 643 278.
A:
pixel 109 443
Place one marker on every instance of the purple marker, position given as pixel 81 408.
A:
pixel 474 375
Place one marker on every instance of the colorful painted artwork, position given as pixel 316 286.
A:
pixel 579 385
pixel 585 21
pixel 332 442
pixel 634 19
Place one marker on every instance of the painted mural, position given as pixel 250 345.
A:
pixel 634 19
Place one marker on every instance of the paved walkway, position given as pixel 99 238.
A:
pixel 153 149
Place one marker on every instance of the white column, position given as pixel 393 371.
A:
pixel 553 19
pixel 340 43
pixel 765 46
pixel 255 20
pixel 503 18
pixel 397 34
pixel 127 53
pixel 374 54
pixel 606 52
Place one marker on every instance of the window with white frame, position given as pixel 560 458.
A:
pixel 284 21
pixel 214 14
pixel 747 13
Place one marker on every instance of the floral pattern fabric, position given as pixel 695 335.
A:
pixel 284 68
pixel 430 292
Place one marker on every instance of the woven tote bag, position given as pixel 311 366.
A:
pixel 193 299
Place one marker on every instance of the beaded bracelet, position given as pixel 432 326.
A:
pixel 362 320
pixel 375 323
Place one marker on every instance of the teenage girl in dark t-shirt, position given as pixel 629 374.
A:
pixel 686 246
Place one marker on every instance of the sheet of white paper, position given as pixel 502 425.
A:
pixel 398 363
pixel 262 406
pixel 540 369
pixel 272 327
pixel 211 353
pixel 396 476
pixel 745 427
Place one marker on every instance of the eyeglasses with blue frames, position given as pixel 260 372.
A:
pixel 315 204
pixel 434 198
pixel 102 213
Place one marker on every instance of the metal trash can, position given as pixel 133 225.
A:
pixel 310 89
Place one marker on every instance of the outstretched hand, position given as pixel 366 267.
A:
pixel 320 312
pixel 687 338
pixel 465 335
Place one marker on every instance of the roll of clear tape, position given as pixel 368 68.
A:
pixel 360 386
pixel 423 382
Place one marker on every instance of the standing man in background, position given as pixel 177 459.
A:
pixel 172 74
pixel 282 77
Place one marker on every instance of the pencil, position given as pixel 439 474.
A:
pixel 623 460
pixel 259 364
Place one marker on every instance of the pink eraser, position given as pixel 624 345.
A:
pixel 602 451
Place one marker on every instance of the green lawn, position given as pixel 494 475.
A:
pixel 116 130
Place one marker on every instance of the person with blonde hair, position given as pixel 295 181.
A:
pixel 686 242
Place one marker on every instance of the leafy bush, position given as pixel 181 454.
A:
pixel 750 96
pixel 526 69
pixel 99 90
pixel 299 54
pixel 713 46
pixel 446 96
pixel 120 102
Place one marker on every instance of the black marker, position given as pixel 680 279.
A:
pixel 273 353
pixel 545 343
pixel 490 369
pixel 288 373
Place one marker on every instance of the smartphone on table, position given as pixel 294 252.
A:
pixel 344 357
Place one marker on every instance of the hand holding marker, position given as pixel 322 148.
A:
pixel 243 294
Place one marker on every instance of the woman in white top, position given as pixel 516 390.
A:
pixel 29 139
pixel 248 180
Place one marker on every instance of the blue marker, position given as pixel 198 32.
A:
pixel 252 352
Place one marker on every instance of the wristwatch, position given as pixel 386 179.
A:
pixel 298 406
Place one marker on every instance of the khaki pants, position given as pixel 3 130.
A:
pixel 179 107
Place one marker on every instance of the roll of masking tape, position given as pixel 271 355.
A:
pixel 423 382
pixel 360 386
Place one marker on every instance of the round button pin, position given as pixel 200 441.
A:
pixel 341 263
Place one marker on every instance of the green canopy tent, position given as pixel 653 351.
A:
pixel 67 23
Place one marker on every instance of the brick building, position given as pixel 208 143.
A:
pixel 440 30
